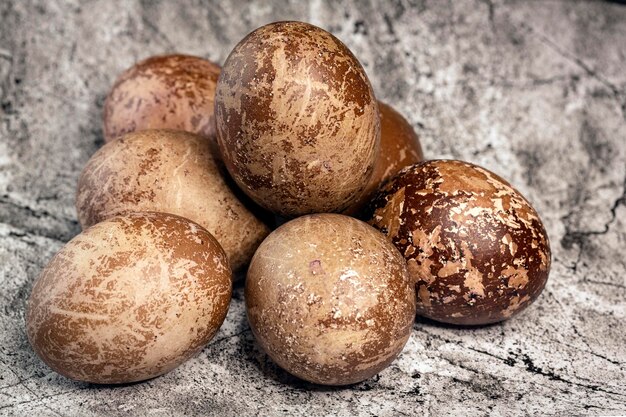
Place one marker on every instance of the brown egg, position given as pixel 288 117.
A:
pixel 399 147
pixel 173 172
pixel 329 299
pixel 475 247
pixel 129 299
pixel 163 92
pixel 297 121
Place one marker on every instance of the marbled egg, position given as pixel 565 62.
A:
pixel 329 299
pixel 172 172
pixel 297 121
pixel 399 147
pixel 163 92
pixel 475 247
pixel 129 299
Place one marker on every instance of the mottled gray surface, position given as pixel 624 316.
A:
pixel 533 90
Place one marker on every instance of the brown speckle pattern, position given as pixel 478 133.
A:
pixel 399 147
pixel 163 92
pixel 475 247
pixel 297 121
pixel 129 299
pixel 173 172
pixel 329 299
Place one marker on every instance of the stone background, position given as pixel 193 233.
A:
pixel 533 90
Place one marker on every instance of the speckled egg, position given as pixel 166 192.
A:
pixel 329 299
pixel 129 299
pixel 173 172
pixel 297 121
pixel 163 92
pixel 475 247
pixel 399 147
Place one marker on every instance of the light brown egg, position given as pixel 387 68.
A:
pixel 172 172
pixel 129 299
pixel 297 121
pixel 399 147
pixel 163 92
pixel 475 247
pixel 329 299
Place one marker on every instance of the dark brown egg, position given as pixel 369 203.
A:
pixel 129 299
pixel 329 299
pixel 163 92
pixel 399 147
pixel 475 247
pixel 173 172
pixel 297 121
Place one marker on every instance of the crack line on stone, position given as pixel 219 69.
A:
pixel 37 213
pixel 529 83
pixel 21 383
pixel 564 315
pixel 591 352
pixel 40 399
pixel 22 234
pixel 580 237
pixel 155 29
pixel 611 284
pixel 225 338
pixel 390 28
pixel 581 64
pixel 531 367
pixel 34 213
pixel 588 406
pixel 568 393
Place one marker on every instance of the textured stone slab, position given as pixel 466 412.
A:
pixel 533 90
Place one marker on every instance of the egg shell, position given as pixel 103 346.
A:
pixel 163 92
pixel 476 248
pixel 129 299
pixel 329 299
pixel 399 147
pixel 172 172
pixel 297 121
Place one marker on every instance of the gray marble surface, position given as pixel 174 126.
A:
pixel 533 90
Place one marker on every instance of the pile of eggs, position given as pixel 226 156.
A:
pixel 198 164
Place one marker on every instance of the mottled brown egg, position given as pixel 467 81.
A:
pixel 173 172
pixel 163 92
pixel 329 299
pixel 129 299
pixel 297 121
pixel 399 147
pixel 475 247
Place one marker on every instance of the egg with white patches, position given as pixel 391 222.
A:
pixel 475 247
pixel 297 122
pixel 172 172
pixel 329 299
pixel 129 299
pixel 163 92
